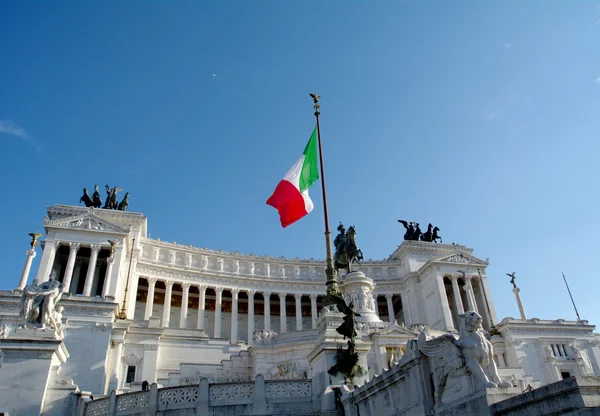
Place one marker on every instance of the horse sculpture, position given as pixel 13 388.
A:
pixel 347 252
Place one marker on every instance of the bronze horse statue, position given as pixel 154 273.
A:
pixel 347 252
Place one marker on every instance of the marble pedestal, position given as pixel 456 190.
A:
pixel 30 380
pixel 358 289
pixel 323 357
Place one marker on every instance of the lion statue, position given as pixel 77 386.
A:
pixel 452 358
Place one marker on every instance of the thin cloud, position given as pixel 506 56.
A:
pixel 10 128
pixel 508 45
pixel 597 80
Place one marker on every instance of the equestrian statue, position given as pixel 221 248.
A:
pixel 346 250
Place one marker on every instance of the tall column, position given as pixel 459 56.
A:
pixel 390 305
pixel 166 319
pixel 282 313
pixel 516 291
pixel 470 296
pixel 313 310
pixel 267 307
pixel 408 319
pixel 76 276
pixel 47 261
pixel 457 298
pixel 298 298
pixel 184 305
pixel 251 294
pixel 234 316
pixel 25 275
pixel 218 302
pixel 201 303
pixel 89 278
pixel 109 266
pixel 150 298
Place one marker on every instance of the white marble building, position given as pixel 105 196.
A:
pixel 171 314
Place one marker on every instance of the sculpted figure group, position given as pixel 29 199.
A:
pixel 452 357
pixel 414 233
pixel 111 199
pixel 39 307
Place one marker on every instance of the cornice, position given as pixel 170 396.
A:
pixel 137 220
pixel 427 249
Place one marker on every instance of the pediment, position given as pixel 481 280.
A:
pixel 461 258
pixel 395 329
pixel 88 222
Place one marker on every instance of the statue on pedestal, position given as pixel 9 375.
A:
pixel 453 358
pixel 38 305
pixel 34 239
pixel 346 250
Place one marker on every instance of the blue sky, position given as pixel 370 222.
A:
pixel 479 117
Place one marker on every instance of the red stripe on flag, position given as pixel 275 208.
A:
pixel 288 201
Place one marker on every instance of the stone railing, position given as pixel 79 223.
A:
pixel 249 398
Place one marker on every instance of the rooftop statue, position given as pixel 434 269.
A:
pixel 413 232
pixel 96 200
pixel 470 353
pixel 85 198
pixel 124 203
pixel 512 280
pixel 346 250
pixel 34 239
pixel 38 305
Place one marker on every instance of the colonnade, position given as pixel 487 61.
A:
pixel 233 336
pixel 72 268
pixel 473 304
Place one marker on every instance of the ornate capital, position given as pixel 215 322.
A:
pixel 202 288
pixel 298 296
pixel 388 296
pixel 282 295
pixel 55 244
pixel 169 284
pixel 251 293
pixel 95 248
pixel 313 296
pixel 267 295
pixel 31 252
pixel 453 277
pixel 74 246
pixel 235 293
pixel 219 290
pixel 186 286
pixel 152 280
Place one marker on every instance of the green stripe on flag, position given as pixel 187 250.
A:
pixel 310 167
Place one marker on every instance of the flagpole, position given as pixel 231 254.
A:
pixel 331 282
pixel 571 296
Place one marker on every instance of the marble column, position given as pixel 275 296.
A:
pixel 298 298
pixel 470 296
pixel 516 291
pixel 89 278
pixel 25 275
pixel 201 306
pixel 251 294
pixel 390 306
pixel 47 261
pixel 234 316
pixel 109 266
pixel 184 305
pixel 408 320
pixel 457 298
pixel 166 318
pixel 313 310
pixel 218 305
pixel 267 307
pixel 150 298
pixel 282 314
pixel 76 276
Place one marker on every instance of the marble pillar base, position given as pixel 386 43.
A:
pixel 358 289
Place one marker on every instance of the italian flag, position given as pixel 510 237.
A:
pixel 291 198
